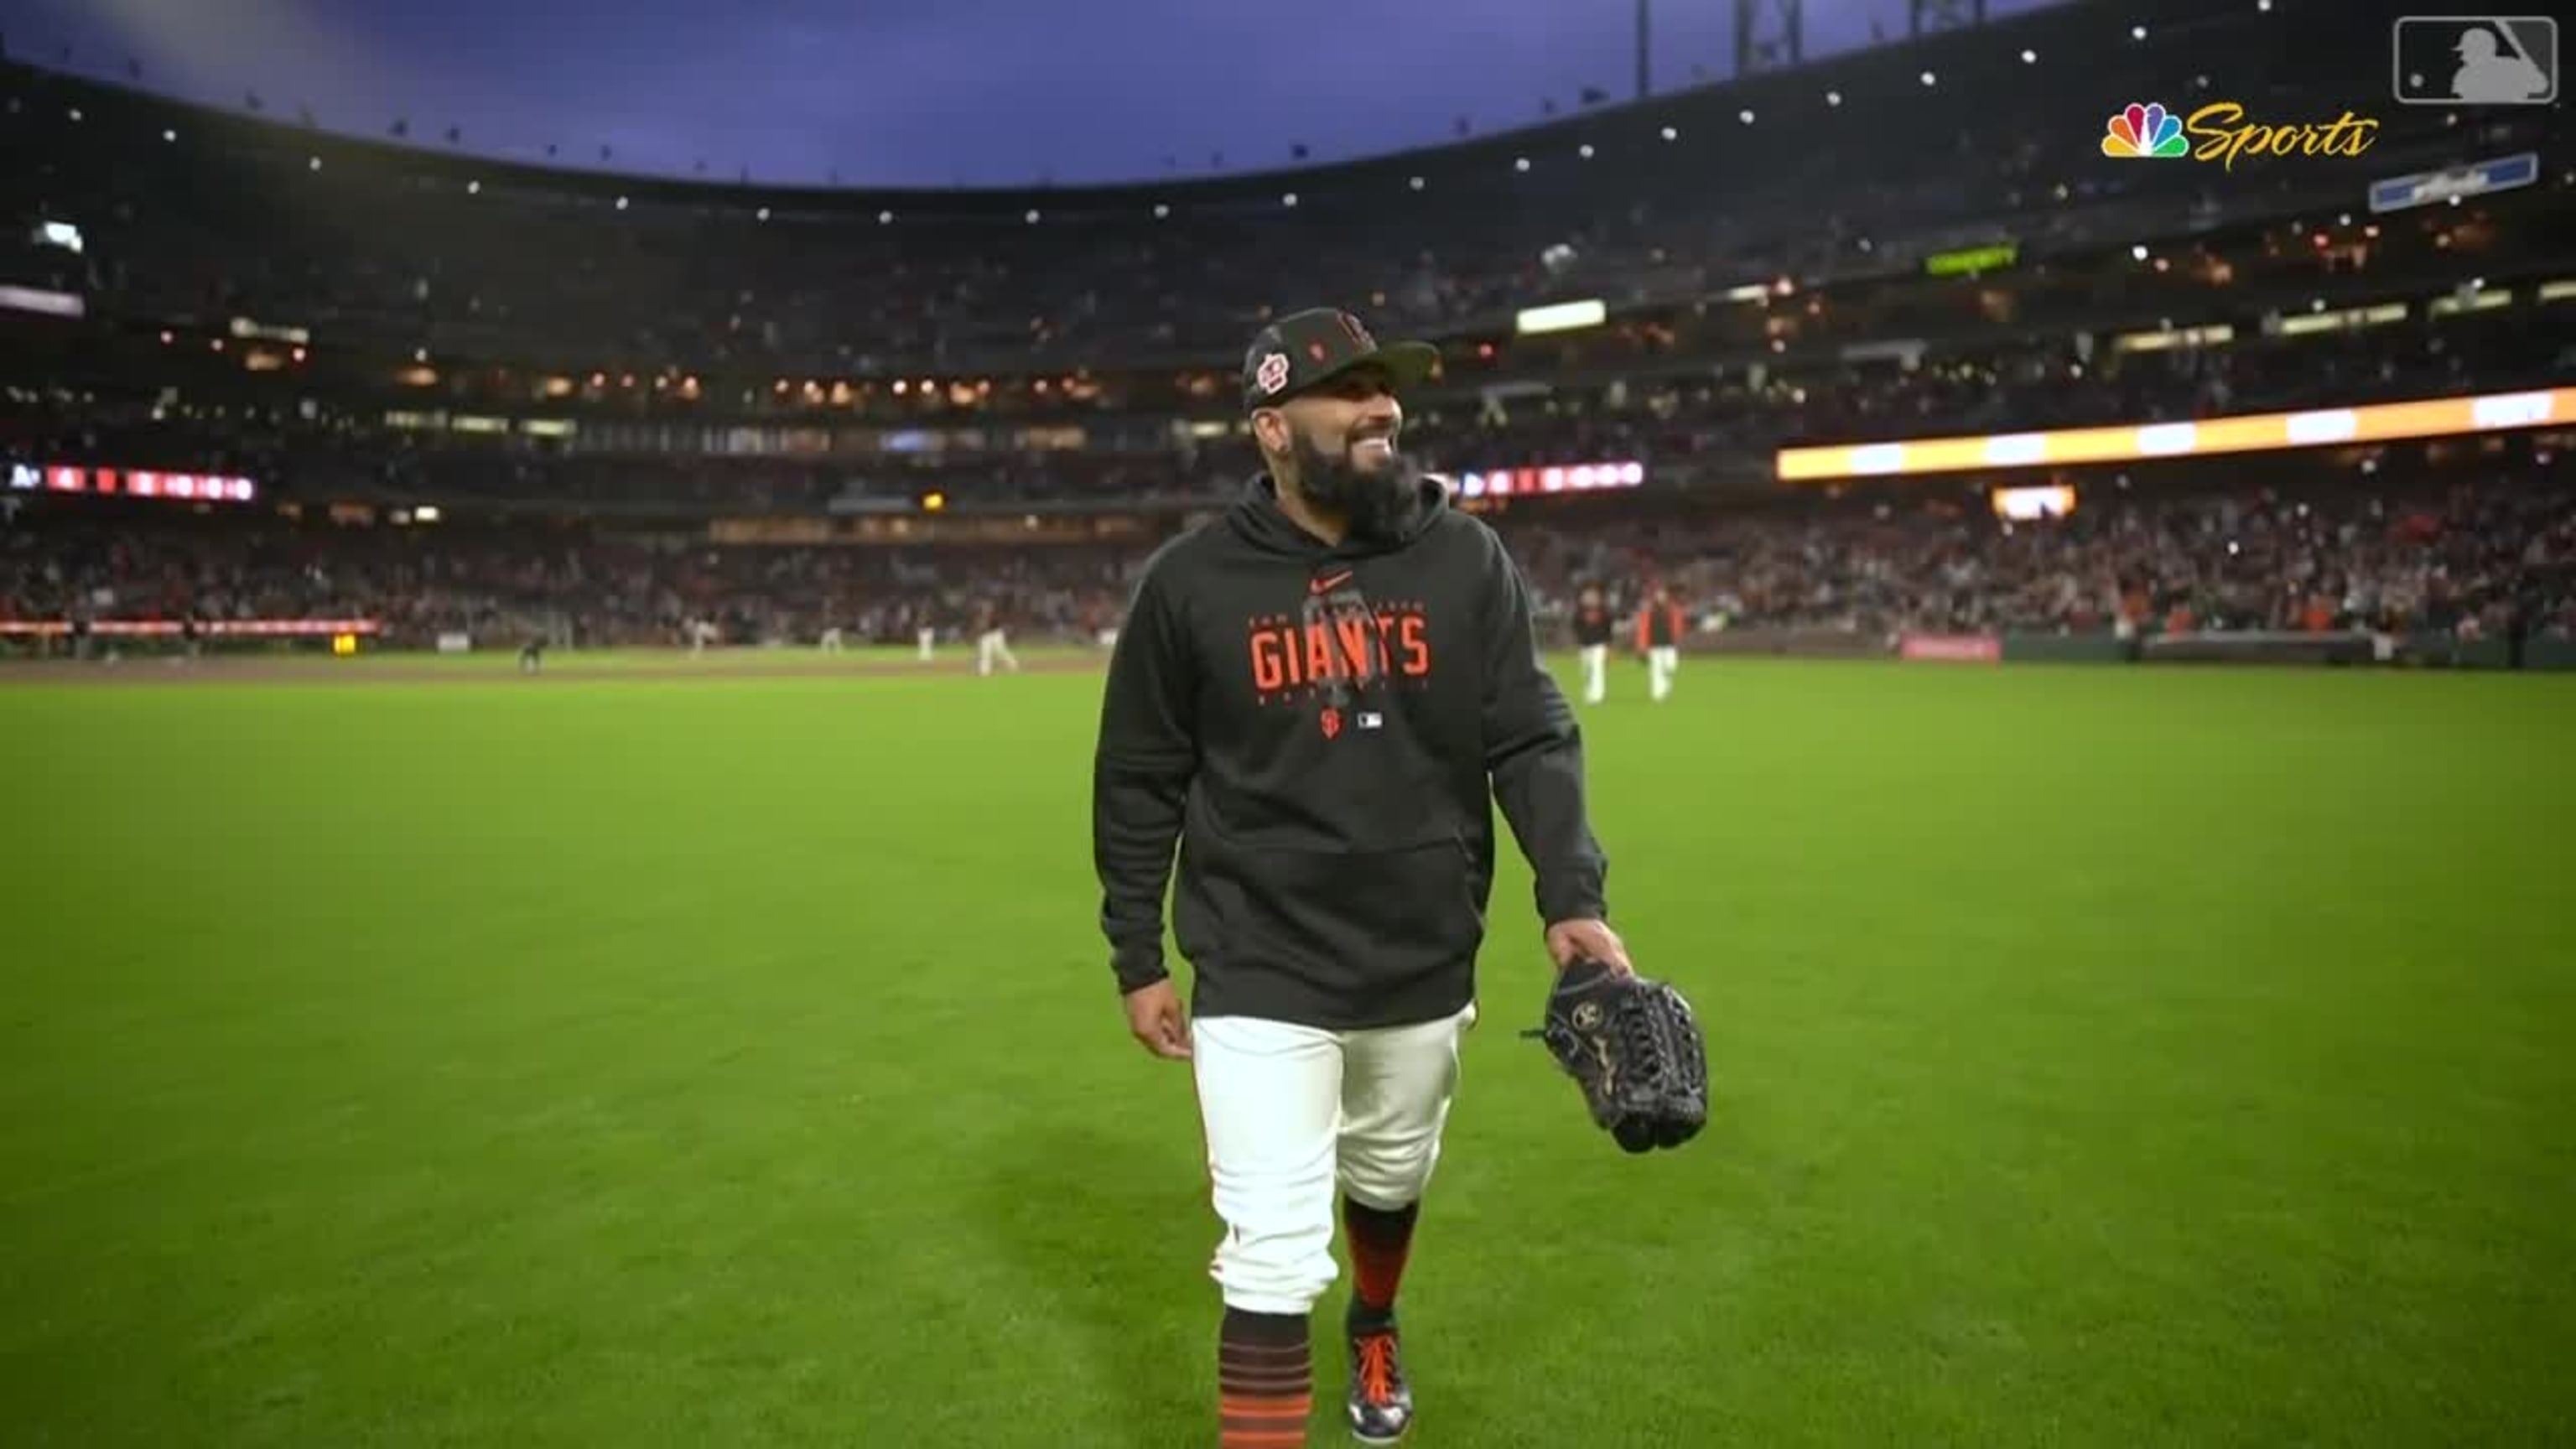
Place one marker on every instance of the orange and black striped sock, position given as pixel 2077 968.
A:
pixel 1380 1241
pixel 1265 1380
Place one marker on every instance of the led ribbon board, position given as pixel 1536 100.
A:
pixel 2138 442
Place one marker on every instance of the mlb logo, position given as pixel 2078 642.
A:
pixel 2475 60
pixel 1371 720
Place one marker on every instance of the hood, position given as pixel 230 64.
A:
pixel 1257 519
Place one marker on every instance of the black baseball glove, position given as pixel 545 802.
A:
pixel 1631 1043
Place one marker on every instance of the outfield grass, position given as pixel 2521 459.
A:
pixel 2114 1057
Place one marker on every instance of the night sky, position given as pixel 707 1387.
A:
pixel 951 92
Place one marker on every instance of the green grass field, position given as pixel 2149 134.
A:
pixel 2104 1057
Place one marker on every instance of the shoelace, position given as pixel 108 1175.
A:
pixel 1377 1368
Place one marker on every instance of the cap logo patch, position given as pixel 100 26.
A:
pixel 1272 374
pixel 1315 350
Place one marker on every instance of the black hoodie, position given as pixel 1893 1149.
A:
pixel 1319 728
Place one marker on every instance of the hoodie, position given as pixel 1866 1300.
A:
pixel 1323 730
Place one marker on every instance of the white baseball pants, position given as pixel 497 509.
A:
pixel 992 648
pixel 1596 673
pixel 1291 1113
pixel 1661 661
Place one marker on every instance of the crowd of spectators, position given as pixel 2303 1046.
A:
pixel 1696 429
pixel 2491 558
pixel 580 585
pixel 2494 557
pixel 393 249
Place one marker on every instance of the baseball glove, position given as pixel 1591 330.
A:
pixel 1631 1043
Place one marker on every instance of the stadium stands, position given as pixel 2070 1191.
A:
pixel 603 389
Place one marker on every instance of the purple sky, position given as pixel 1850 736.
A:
pixel 932 93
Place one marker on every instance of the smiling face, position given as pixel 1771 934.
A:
pixel 1339 441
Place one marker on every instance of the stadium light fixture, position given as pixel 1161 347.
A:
pixel 1670 134
pixel 1561 317
pixel 75 114
pixel 2029 56
pixel 1930 79
pixel 2139 251
pixel 1833 98
pixel 2137 32
pixel 1745 115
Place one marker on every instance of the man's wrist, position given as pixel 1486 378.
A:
pixel 1135 973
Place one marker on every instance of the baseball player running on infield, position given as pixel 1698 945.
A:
pixel 1317 695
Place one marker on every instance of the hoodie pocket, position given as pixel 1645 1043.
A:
pixel 1391 911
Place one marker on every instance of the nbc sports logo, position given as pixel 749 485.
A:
pixel 2148 130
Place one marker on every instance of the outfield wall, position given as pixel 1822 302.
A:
pixel 2343 650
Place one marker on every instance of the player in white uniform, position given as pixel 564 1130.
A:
pixel 993 642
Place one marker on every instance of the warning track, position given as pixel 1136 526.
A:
pixel 626 669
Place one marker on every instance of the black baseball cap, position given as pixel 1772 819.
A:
pixel 1304 350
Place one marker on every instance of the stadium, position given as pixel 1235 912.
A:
pixel 554 711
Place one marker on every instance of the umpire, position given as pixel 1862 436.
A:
pixel 1318 696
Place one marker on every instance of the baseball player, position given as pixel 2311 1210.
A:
pixel 1659 638
pixel 1318 696
pixel 992 641
pixel 1592 626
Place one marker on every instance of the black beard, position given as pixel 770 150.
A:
pixel 1373 505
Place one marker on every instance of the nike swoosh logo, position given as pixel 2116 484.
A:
pixel 1325 586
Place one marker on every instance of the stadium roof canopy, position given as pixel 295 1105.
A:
pixel 1764 109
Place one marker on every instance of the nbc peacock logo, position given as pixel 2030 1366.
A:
pixel 2148 130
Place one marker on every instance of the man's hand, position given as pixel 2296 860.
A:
pixel 1154 1014
pixel 1572 941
